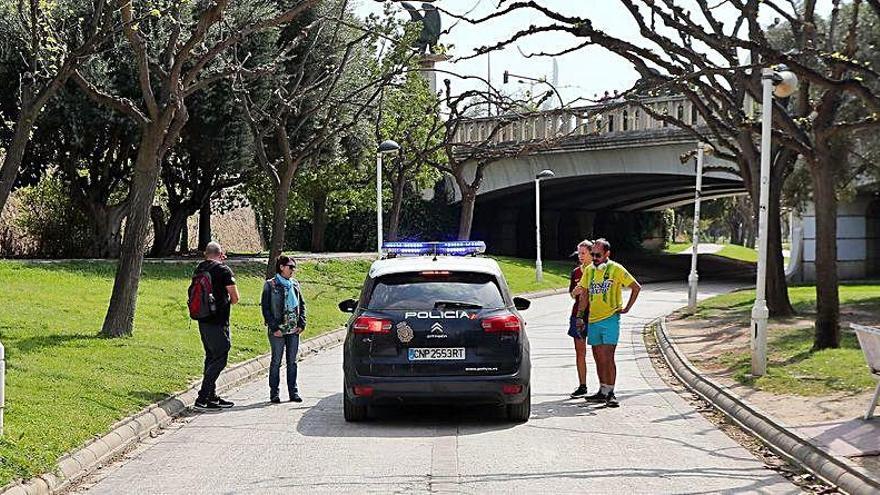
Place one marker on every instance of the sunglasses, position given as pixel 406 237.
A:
pixel 290 266
pixel 596 255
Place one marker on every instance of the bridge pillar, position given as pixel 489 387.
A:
pixel 549 234
pixel 504 231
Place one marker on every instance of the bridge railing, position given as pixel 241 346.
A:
pixel 612 117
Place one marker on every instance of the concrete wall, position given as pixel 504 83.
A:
pixel 858 231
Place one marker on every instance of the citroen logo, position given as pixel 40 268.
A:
pixel 437 328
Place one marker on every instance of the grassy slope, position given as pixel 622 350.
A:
pixel 793 367
pixel 736 252
pixel 65 384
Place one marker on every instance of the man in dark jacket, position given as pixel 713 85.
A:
pixel 284 311
pixel 214 329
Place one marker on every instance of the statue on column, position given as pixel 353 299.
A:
pixel 429 16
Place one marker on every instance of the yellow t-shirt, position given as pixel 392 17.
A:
pixel 605 287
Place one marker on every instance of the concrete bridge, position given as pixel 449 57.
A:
pixel 612 157
pixel 615 158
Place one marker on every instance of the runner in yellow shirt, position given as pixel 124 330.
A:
pixel 602 286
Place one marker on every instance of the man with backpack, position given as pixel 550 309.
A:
pixel 211 296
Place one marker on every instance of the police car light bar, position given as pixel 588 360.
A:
pixel 450 248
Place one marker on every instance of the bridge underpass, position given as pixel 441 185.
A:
pixel 574 208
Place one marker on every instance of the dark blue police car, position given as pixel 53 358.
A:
pixel 436 324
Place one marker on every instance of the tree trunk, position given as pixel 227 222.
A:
pixel 319 222
pixel 398 187
pixel 157 218
pixel 119 320
pixel 279 217
pixel 468 199
pixel 107 228
pixel 204 225
pixel 184 237
pixel 777 286
pixel 827 298
pixel 165 244
pixel 15 153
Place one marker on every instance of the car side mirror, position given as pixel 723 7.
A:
pixel 348 306
pixel 521 303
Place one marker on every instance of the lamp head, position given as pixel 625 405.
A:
pixel 389 146
pixel 544 174
pixel 785 82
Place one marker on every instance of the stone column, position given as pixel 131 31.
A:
pixel 428 61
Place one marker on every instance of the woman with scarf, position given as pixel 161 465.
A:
pixel 284 312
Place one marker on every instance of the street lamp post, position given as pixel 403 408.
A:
pixel 693 277
pixel 386 147
pixel 539 268
pixel 779 82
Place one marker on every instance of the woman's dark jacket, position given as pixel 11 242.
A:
pixel 272 304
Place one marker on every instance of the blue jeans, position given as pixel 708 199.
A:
pixel 286 346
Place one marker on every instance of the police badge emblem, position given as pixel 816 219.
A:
pixel 404 332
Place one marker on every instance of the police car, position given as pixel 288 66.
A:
pixel 435 323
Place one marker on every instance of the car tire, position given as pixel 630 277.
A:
pixel 519 413
pixel 353 412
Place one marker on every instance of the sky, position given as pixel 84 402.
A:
pixel 582 74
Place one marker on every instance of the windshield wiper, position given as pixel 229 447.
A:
pixel 457 304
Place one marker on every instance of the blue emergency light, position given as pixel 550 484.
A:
pixel 450 248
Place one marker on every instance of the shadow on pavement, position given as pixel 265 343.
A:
pixel 325 419
pixel 658 267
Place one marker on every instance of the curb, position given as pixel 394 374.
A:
pixel 782 441
pixel 73 466
pixel 128 432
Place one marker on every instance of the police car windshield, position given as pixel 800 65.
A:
pixel 430 291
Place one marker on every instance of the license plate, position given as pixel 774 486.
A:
pixel 435 353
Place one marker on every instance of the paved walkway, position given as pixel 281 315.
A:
pixel 703 248
pixel 654 443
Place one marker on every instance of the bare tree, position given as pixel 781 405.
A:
pixel 462 151
pixel 176 54
pixel 699 58
pixel 48 44
pixel 323 92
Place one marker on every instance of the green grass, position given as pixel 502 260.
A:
pixel 520 274
pixel 732 251
pixel 803 299
pixel 736 252
pixel 65 383
pixel 792 366
pixel 677 247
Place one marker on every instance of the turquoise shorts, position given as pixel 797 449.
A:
pixel 605 332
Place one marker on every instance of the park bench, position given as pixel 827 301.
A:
pixel 869 340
